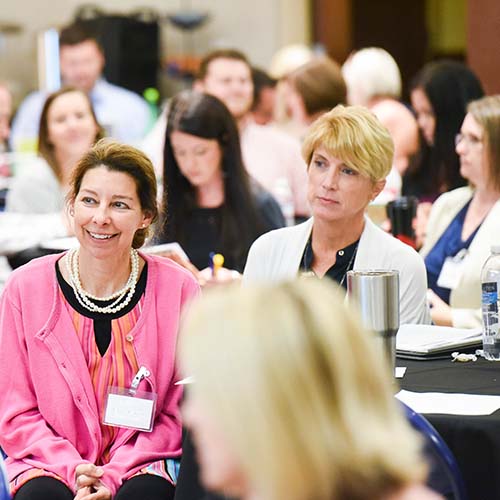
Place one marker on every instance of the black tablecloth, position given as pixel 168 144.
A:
pixel 475 440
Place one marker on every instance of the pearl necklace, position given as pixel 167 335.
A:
pixel 85 299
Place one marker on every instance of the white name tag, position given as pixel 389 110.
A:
pixel 126 410
pixel 452 271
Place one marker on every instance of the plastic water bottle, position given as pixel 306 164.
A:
pixel 490 288
pixel 284 197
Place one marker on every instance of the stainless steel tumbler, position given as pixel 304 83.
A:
pixel 376 293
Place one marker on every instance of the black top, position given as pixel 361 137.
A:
pixel 102 321
pixel 344 262
pixel 204 231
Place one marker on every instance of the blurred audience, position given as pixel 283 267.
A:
pixel 373 80
pixel 465 223
pixel 313 89
pixel 211 204
pixel 290 400
pixel 264 93
pixel 289 58
pixel 5 114
pixel 440 93
pixel 283 62
pixel 349 154
pixel 68 128
pixel 122 113
pixel 270 156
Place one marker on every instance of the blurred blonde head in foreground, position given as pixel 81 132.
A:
pixel 290 398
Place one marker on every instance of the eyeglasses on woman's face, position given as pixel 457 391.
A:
pixel 468 139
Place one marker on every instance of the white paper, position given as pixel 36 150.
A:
pixel 400 371
pixel 184 381
pixel 428 338
pixel 166 248
pixel 450 404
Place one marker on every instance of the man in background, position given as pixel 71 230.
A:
pixel 264 97
pixel 123 114
pixel 270 156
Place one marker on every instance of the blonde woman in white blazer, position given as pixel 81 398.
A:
pixel 469 216
pixel 348 154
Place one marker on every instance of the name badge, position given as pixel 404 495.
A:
pixel 452 270
pixel 129 407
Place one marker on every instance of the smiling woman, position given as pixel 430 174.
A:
pixel 94 335
pixel 68 128
pixel 349 154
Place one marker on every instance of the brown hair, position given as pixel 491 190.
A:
pixel 45 147
pixel 220 54
pixel 486 112
pixel 77 33
pixel 320 84
pixel 129 160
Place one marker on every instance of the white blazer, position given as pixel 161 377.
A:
pixel 276 256
pixel 465 299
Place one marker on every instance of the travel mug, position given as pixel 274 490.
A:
pixel 401 213
pixel 376 294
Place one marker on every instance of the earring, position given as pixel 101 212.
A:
pixel 72 211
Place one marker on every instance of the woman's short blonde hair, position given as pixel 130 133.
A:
pixel 300 391
pixel 354 135
pixel 486 111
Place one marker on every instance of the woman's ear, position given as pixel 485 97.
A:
pixel 377 188
pixel 146 220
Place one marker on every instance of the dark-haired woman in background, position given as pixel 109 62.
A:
pixel 440 93
pixel 210 202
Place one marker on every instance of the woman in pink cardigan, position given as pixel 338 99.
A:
pixel 89 406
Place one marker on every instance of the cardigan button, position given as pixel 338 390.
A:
pixel 130 338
